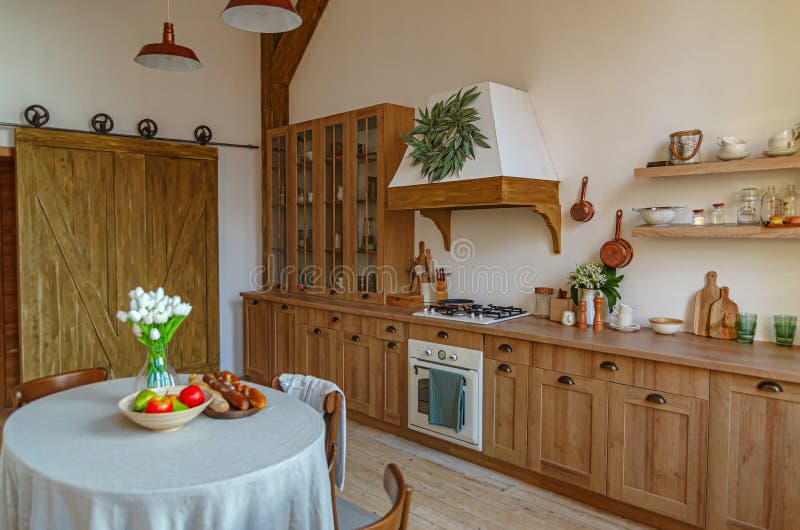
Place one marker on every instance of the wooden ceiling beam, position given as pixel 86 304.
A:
pixel 292 45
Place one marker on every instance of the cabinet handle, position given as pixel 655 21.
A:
pixel 566 380
pixel 610 366
pixel 770 386
pixel 365 296
pixel 356 338
pixel 391 329
pixel 317 331
pixel 333 292
pixel 506 348
pixel 392 346
pixel 504 368
pixel 284 307
pixel 255 302
pixel 336 320
pixel 443 335
pixel 656 398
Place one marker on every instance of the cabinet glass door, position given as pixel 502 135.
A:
pixel 278 250
pixel 335 278
pixel 366 188
pixel 305 212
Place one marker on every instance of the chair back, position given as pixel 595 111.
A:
pixel 38 388
pixel 400 495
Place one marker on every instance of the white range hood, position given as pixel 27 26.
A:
pixel 515 172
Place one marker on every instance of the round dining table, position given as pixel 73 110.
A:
pixel 72 460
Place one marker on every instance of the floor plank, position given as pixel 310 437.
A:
pixel 450 493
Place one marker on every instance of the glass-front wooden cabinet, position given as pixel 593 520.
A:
pixel 276 230
pixel 337 237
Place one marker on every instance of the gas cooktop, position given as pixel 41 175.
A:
pixel 472 313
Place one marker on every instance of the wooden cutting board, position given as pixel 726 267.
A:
pixel 703 300
pixel 722 318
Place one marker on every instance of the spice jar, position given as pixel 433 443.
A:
pixel 791 201
pixel 543 296
pixel 718 214
pixel 747 213
pixel 698 217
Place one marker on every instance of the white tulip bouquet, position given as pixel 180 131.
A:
pixel 154 318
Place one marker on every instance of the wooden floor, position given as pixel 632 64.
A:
pixel 450 493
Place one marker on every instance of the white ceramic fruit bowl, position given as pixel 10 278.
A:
pixel 659 215
pixel 167 421
pixel 666 326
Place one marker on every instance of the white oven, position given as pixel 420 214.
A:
pixel 422 356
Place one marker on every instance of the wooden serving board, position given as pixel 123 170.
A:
pixel 232 414
pixel 722 317
pixel 703 300
pixel 782 225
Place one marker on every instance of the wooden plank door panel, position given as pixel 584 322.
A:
pixel 505 391
pixel 754 468
pixel 360 373
pixel 258 341
pixel 567 422
pixel 321 348
pixel 394 373
pixel 657 451
pixel 285 332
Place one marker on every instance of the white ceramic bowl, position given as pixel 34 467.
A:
pixel 666 326
pixel 167 421
pixel 659 215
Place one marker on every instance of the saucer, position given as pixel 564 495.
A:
pixel 732 156
pixel 781 152
pixel 632 327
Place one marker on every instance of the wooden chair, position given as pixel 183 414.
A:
pixel 34 389
pixel 400 495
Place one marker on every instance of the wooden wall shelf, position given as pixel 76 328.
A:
pixel 727 231
pixel 713 168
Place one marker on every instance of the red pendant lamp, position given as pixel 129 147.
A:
pixel 166 55
pixel 261 16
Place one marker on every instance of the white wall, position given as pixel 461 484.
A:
pixel 609 81
pixel 76 59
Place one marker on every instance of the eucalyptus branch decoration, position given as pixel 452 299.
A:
pixel 445 136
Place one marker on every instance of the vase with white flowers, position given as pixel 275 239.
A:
pixel 154 318
pixel 590 280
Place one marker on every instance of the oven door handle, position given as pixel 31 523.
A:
pixel 417 368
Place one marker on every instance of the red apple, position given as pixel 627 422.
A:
pixel 159 405
pixel 191 396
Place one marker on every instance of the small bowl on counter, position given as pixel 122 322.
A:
pixel 659 215
pixel 666 326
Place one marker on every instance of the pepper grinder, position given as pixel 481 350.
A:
pixel 582 314
pixel 598 314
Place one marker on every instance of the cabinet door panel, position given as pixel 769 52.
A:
pixel 321 349
pixel 286 357
pixel 360 379
pixel 505 411
pixel 754 467
pixel 258 347
pixel 567 422
pixel 276 190
pixel 395 378
pixel 657 451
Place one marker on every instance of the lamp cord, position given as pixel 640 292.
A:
pixel 168 12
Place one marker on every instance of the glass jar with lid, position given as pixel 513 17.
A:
pixel 699 217
pixel 747 213
pixel 791 201
pixel 718 214
pixel 543 296
pixel 771 205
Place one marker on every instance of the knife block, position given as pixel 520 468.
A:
pixel 558 306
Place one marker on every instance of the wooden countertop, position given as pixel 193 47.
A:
pixel 761 359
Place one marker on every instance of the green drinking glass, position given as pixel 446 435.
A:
pixel 785 328
pixel 745 327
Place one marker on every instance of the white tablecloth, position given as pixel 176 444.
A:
pixel 72 460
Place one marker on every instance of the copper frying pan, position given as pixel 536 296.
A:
pixel 617 252
pixel 582 211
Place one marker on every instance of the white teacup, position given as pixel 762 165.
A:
pixel 623 314
pixel 731 145
pixel 782 140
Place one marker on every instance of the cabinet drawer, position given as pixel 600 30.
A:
pixel 392 330
pixel 451 337
pixel 563 359
pixel 355 324
pixel 508 350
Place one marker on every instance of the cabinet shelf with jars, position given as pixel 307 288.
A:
pixel 325 201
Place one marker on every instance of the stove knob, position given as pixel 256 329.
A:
pixel 429 353
pixel 454 357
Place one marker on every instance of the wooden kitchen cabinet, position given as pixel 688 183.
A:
pixel 320 351
pixel 657 451
pixel 393 370
pixel 288 360
pixel 360 373
pixel 567 428
pixel 505 409
pixel 258 341
pixel 754 453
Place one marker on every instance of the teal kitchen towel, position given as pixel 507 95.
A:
pixel 446 399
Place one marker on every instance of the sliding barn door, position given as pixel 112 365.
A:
pixel 99 216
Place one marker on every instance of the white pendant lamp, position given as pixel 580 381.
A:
pixel 261 16
pixel 167 55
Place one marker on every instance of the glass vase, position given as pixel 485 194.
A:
pixel 156 372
